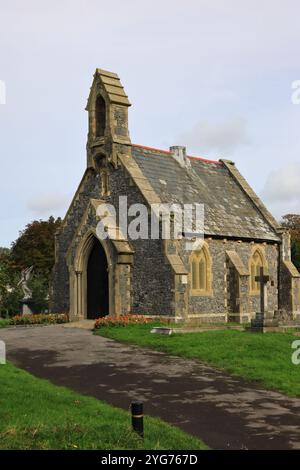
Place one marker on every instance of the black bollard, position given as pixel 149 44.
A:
pixel 137 418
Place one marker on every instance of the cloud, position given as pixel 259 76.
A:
pixel 48 203
pixel 223 137
pixel 282 185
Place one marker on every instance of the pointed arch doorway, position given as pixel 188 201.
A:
pixel 100 278
pixel 97 282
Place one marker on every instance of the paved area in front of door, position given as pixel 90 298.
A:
pixel 224 411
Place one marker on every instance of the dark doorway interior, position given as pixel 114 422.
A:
pixel 97 283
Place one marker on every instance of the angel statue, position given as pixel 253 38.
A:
pixel 25 278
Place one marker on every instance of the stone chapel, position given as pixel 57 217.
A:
pixel 94 277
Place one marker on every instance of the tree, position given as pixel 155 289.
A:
pixel 33 247
pixel 10 294
pixel 292 222
pixel 295 252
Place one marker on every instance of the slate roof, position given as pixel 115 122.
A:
pixel 229 211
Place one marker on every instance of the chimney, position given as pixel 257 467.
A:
pixel 179 153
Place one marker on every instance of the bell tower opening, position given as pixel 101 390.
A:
pixel 97 283
pixel 100 116
pixel 107 119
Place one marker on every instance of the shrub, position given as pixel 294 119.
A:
pixel 123 320
pixel 39 319
pixel 4 323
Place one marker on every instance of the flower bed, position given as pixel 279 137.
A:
pixel 123 320
pixel 39 319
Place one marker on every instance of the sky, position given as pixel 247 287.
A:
pixel 213 75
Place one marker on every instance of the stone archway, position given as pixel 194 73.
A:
pixel 119 259
pixel 85 275
pixel 97 297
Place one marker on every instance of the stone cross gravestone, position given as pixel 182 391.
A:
pixel 262 279
pixel 261 323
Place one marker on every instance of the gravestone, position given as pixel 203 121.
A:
pixel 162 330
pixel 264 320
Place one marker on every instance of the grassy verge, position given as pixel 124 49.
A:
pixel 35 414
pixel 264 358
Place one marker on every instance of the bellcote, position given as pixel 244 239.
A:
pixel 107 107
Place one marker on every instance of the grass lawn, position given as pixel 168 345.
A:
pixel 35 414
pixel 4 323
pixel 264 358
